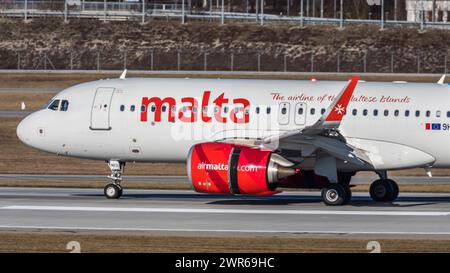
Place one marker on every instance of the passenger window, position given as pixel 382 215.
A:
pixel 132 107
pixel 64 105
pixel 407 113
pixel 396 112
pixel 448 114
pixel 174 108
pixel 375 112
pixel 163 108
pixel 355 112
pixel 438 114
pixel 122 108
pixel 257 110
pixel 417 113
pixel 205 109
pixel 143 108
pixel 268 110
pixel 427 114
pixel 365 112
pixel 322 111
pixel 386 113
pixel 225 109
pixel 153 108
pixel 300 111
pixel 216 109
pixel 194 109
pixel 283 111
pixel 54 105
pixel 313 111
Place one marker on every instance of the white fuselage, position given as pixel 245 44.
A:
pixel 101 124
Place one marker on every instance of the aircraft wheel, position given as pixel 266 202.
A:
pixel 382 190
pixel 396 189
pixel 113 191
pixel 335 195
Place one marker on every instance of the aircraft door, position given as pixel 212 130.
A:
pixel 101 107
pixel 283 113
pixel 300 113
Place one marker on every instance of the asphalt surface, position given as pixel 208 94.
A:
pixel 170 178
pixel 28 90
pixel 185 211
pixel 75 178
pixel 14 114
pixel 22 114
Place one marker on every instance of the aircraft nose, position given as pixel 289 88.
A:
pixel 23 130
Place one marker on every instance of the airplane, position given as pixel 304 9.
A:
pixel 249 136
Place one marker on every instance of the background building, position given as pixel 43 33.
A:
pixel 429 10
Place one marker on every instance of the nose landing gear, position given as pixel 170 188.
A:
pixel 115 190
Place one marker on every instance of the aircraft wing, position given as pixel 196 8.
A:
pixel 323 135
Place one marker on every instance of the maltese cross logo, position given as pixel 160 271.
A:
pixel 339 109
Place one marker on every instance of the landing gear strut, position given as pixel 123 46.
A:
pixel 384 189
pixel 115 190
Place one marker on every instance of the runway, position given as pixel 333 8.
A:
pixel 171 178
pixel 77 178
pixel 28 90
pixel 14 114
pixel 186 211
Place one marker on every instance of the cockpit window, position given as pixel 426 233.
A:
pixel 64 105
pixel 54 105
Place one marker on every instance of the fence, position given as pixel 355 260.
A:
pixel 208 60
pixel 176 11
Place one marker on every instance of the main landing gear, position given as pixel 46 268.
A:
pixel 384 189
pixel 115 190
pixel 336 194
pixel 381 190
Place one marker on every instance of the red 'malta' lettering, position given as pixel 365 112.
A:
pixel 189 110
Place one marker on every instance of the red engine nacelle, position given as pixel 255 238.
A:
pixel 232 169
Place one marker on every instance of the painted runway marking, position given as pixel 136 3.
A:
pixel 231 211
pixel 354 232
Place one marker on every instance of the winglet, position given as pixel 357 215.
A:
pixel 337 109
pixel 441 80
pixel 332 117
pixel 123 76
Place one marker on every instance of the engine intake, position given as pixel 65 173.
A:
pixel 233 169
